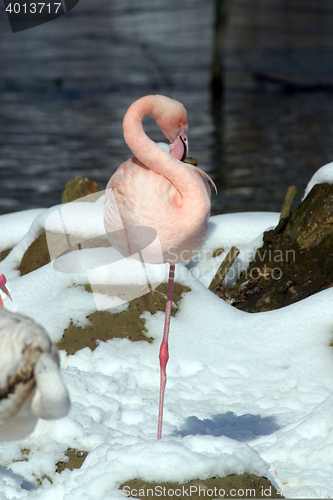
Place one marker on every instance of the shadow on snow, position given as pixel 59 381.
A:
pixel 241 428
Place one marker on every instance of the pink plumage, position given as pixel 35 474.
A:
pixel 157 190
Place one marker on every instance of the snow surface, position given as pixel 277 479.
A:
pixel 323 175
pixel 245 392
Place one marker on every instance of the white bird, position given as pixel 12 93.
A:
pixel 31 384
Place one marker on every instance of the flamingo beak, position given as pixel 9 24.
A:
pixel 3 288
pixel 179 147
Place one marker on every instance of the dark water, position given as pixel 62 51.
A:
pixel 65 86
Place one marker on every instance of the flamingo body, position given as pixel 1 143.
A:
pixel 31 385
pixel 157 190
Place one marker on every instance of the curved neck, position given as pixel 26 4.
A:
pixel 162 110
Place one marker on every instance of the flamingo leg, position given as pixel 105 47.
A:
pixel 164 350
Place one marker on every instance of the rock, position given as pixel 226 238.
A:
pixel 295 260
pixel 79 187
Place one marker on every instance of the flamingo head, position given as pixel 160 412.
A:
pixel 171 117
pixel 3 288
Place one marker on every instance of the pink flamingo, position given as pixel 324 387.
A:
pixel 3 288
pixel 31 385
pixel 157 191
